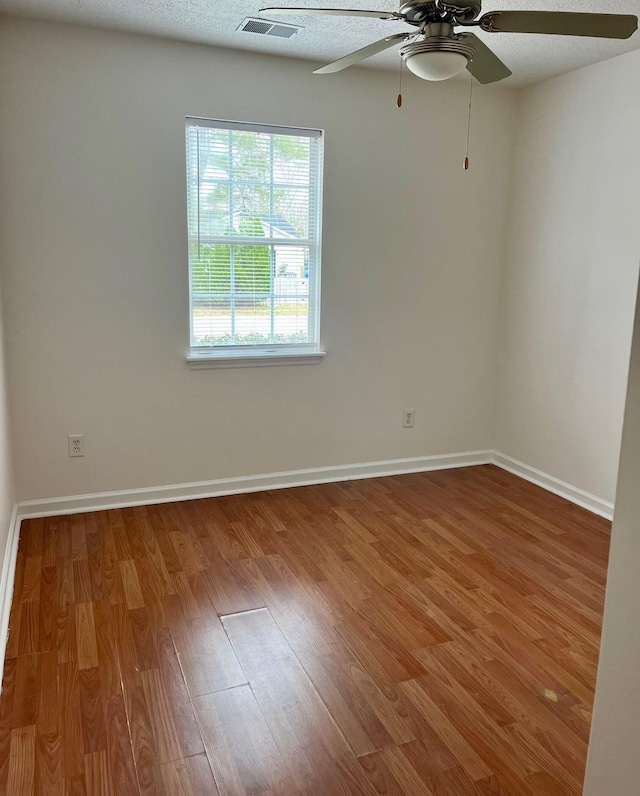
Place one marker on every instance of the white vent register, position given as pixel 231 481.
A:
pixel 265 28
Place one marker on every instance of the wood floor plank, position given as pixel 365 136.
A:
pixel 480 745
pixel 296 613
pixel 86 636
pixel 142 633
pixel 97 775
pixel 120 760
pixel 454 738
pixel 434 633
pixel 470 675
pixel 107 647
pixel 173 725
pixel 451 780
pixel 228 587
pixel 47 627
pixel 241 749
pixel 189 552
pixel 333 677
pixel 82 581
pixel 92 711
pixel 152 550
pixel 206 656
pixel 154 587
pixel 50 541
pixel 120 537
pixel 127 654
pixel 162 521
pixel 160 717
pixel 392 773
pixel 142 740
pixel 74 786
pixel 34 533
pixel 71 721
pixel 95 555
pixel 78 538
pixel 29 629
pixel 191 776
pixel 25 692
pixel 64 612
pixel 379 653
pixel 131 584
pixel 182 606
pixel 48 765
pixel 22 756
pixel 47 694
pixel 298 719
pixel 113 589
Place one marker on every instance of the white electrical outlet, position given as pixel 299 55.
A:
pixel 407 418
pixel 76 445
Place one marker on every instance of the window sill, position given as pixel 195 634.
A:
pixel 204 361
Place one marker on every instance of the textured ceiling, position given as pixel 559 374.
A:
pixel 531 58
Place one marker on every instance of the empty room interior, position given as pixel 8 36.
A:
pixel 319 398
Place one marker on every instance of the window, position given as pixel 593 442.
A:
pixel 253 195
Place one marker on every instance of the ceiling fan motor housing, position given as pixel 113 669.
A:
pixel 419 12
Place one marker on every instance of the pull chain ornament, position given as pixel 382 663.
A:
pixel 399 100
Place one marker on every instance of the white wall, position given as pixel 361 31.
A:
pixel 613 767
pixel 574 241
pixel 93 243
pixel 7 497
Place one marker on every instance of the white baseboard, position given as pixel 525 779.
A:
pixel 7 576
pixel 578 496
pixel 320 475
pixel 250 483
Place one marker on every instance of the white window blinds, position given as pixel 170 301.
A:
pixel 254 195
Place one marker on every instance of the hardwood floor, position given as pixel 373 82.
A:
pixel 424 634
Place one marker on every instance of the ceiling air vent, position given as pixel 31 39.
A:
pixel 266 28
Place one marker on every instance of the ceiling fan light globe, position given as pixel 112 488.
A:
pixel 435 65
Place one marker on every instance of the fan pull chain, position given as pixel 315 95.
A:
pixel 399 100
pixel 466 157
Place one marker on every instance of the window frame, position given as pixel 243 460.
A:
pixel 260 354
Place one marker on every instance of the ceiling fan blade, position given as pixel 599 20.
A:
pixel 360 55
pixel 560 23
pixel 486 67
pixel 334 12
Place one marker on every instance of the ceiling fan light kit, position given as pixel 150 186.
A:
pixel 435 65
pixel 441 55
pixel 438 52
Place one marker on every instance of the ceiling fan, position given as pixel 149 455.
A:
pixel 438 52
